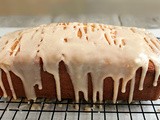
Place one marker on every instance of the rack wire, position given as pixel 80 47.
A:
pixel 47 109
pixel 52 109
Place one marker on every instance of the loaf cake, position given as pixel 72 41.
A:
pixel 74 60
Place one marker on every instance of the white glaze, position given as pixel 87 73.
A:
pixel 2 85
pixel 102 50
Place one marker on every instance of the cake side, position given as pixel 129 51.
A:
pixel 67 91
pixel 103 57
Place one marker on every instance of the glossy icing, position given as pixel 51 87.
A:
pixel 102 50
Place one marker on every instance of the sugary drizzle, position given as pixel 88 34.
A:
pixel 101 50
pixel 2 85
pixel 131 89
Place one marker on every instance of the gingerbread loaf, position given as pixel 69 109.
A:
pixel 75 60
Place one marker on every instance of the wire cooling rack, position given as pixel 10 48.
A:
pixel 45 109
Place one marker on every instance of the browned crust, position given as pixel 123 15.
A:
pixel 49 89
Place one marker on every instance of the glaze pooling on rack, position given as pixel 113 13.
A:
pixel 102 50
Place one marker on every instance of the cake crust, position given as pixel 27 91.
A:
pixel 149 93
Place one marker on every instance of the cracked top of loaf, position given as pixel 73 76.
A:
pixel 102 50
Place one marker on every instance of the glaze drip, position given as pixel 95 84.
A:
pixel 2 85
pixel 102 50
